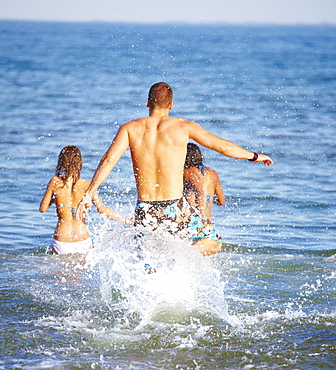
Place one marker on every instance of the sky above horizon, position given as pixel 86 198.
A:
pixel 174 11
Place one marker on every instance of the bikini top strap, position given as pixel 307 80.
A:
pixel 201 167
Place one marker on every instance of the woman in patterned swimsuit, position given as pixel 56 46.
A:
pixel 202 188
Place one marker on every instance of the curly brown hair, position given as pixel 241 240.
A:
pixel 194 156
pixel 69 163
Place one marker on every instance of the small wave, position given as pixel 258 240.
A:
pixel 235 248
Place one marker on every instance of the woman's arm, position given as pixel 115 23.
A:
pixel 219 198
pixel 47 199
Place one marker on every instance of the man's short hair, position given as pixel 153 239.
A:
pixel 160 95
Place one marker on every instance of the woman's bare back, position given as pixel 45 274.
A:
pixel 66 198
pixel 203 189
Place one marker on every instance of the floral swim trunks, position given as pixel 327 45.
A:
pixel 177 217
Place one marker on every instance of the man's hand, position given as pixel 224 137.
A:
pixel 264 158
pixel 83 207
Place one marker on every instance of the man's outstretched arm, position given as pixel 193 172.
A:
pixel 225 147
pixel 108 161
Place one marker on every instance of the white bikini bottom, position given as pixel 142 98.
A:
pixel 66 248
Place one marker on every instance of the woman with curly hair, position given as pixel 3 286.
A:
pixel 202 188
pixel 66 189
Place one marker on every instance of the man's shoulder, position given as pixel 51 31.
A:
pixel 138 123
pixel 178 123
pixel 133 123
pixel 136 120
pixel 191 126
pixel 181 120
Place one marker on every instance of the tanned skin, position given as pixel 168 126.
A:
pixel 158 145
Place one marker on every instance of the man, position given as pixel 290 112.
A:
pixel 158 145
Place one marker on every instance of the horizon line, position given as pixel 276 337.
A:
pixel 174 23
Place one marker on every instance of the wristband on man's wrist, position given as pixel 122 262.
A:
pixel 255 157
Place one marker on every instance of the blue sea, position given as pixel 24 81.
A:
pixel 268 299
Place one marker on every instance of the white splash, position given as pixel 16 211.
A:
pixel 146 273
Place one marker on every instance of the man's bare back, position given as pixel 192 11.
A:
pixel 158 145
pixel 158 148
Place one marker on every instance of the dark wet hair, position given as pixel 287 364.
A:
pixel 194 156
pixel 69 163
pixel 160 95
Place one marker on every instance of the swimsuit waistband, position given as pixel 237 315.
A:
pixel 159 203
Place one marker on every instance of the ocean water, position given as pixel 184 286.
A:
pixel 268 299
